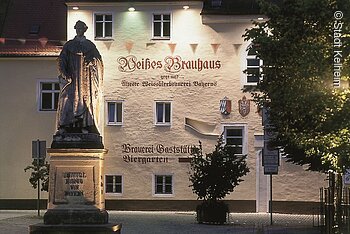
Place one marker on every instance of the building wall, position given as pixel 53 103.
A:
pixel 191 41
pixel 193 102
pixel 21 122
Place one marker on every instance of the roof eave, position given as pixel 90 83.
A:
pixel 227 19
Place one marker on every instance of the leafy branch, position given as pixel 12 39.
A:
pixel 39 172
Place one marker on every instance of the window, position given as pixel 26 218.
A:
pixel 103 26
pixel 49 93
pixel 115 112
pixel 216 3
pixel 163 184
pixel 163 113
pixel 236 138
pixel 161 26
pixel 114 184
pixel 253 67
pixel 34 29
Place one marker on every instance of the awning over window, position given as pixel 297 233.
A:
pixel 202 127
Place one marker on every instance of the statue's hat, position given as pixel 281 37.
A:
pixel 80 24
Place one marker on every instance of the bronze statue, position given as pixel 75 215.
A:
pixel 80 77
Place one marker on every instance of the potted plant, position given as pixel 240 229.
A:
pixel 212 177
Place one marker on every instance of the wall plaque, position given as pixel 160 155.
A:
pixel 74 185
pixel 244 106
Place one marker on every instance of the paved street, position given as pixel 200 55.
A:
pixel 137 222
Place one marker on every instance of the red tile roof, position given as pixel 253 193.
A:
pixel 16 38
pixel 30 52
pixel 50 17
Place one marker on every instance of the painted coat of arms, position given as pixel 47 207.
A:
pixel 225 106
pixel 244 106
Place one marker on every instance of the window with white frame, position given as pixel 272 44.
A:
pixel 161 26
pixel 163 184
pixel 163 113
pixel 253 67
pixel 114 183
pixel 103 26
pixel 49 93
pixel 115 112
pixel 235 136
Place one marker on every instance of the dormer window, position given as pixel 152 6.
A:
pixel 34 29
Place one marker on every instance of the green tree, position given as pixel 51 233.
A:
pixel 39 171
pixel 299 46
pixel 216 174
pixel 213 176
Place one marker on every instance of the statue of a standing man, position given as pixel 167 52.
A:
pixel 80 77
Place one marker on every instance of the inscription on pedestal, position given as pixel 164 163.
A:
pixel 74 185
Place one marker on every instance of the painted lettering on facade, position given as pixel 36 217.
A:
pixel 171 64
pixel 158 148
pixel 161 83
pixel 144 159
pixel 148 154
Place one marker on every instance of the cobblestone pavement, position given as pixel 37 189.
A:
pixel 137 222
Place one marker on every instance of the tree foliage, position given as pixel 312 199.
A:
pixel 298 45
pixel 216 174
pixel 39 171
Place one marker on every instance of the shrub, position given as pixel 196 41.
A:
pixel 216 174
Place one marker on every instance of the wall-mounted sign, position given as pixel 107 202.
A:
pixel 225 106
pixel 244 106
pixel 74 185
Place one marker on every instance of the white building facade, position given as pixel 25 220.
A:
pixel 173 76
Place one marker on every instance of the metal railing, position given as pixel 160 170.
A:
pixel 332 217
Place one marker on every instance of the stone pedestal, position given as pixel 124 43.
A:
pixel 76 187
pixel 76 178
pixel 76 196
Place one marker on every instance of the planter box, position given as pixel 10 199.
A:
pixel 212 212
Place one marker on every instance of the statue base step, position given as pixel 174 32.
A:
pixel 75 228
pixel 69 221
pixel 75 216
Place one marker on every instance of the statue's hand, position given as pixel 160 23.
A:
pixel 64 81
pixel 65 78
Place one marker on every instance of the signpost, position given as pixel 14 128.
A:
pixel 38 153
pixel 271 160
pixel 270 154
